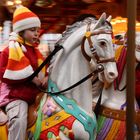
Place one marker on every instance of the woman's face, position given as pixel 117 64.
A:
pixel 31 35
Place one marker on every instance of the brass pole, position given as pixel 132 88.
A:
pixel 130 94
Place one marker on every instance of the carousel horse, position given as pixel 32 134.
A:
pixel 111 120
pixel 74 117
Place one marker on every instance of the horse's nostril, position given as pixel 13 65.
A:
pixel 111 74
pixel 102 43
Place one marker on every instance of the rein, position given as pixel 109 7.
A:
pixel 99 68
pixel 46 61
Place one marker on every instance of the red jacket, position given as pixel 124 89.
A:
pixel 17 89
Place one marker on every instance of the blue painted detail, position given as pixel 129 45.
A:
pixel 72 108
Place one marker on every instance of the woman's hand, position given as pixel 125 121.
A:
pixel 41 82
pixel 44 82
pixel 37 81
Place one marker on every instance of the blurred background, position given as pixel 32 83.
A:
pixel 56 14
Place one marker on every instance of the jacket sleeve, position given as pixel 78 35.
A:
pixel 3 63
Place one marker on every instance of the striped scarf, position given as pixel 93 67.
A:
pixel 18 66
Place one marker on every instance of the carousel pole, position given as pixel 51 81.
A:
pixel 130 113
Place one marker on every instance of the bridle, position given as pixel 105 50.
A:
pixel 87 36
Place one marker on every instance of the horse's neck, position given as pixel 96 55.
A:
pixel 68 69
pixel 70 66
pixel 113 97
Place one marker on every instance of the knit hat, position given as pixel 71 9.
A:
pixel 23 19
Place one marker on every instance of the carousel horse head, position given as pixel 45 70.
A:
pixel 99 48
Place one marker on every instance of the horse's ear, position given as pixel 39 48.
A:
pixel 137 41
pixel 100 21
pixel 137 52
pixel 109 18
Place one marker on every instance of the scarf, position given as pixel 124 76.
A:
pixel 18 66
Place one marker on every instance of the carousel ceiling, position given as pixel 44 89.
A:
pixel 56 14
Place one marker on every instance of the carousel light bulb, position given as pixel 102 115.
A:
pixel 123 20
pixel 89 1
pixel 9 3
pixel 0 28
pixel 138 24
pixel 118 21
pixel 113 22
pixel 18 2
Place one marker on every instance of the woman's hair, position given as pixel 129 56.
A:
pixel 21 33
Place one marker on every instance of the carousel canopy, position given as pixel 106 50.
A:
pixel 56 14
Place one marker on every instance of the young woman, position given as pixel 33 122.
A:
pixel 17 62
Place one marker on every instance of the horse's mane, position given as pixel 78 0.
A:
pixel 72 28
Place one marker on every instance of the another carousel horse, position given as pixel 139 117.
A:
pixel 111 120
pixel 74 118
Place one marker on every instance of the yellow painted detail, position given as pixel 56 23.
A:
pixel 118 52
pixel 54 120
pixel 114 130
pixel 3 132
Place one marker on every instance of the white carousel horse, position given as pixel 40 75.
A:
pixel 74 118
pixel 70 66
pixel 111 120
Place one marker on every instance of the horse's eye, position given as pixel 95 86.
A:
pixel 102 43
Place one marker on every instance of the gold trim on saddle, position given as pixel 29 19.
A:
pixel 112 113
pixel 55 119
pixel 118 114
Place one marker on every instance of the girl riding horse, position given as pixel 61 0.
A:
pixel 18 61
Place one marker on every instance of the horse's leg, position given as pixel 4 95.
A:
pixel 63 136
pixel 79 131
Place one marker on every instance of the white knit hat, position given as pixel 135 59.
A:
pixel 23 19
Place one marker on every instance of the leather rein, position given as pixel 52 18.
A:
pixel 99 68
